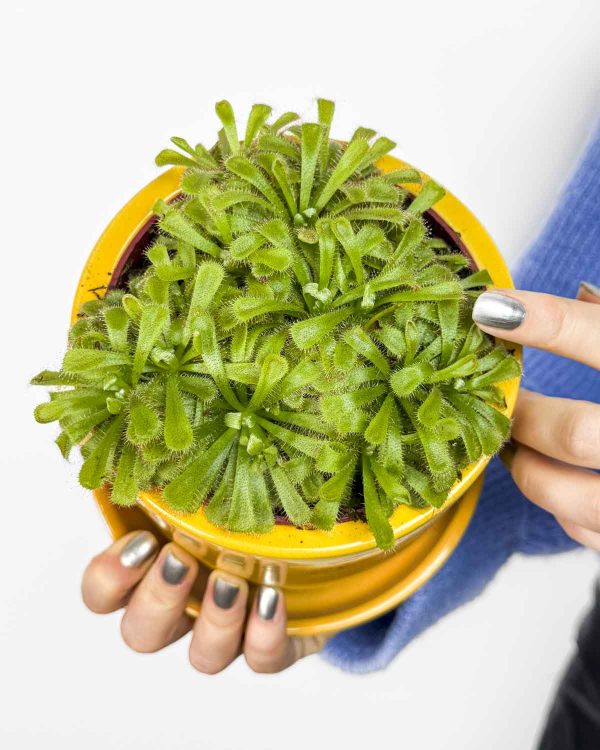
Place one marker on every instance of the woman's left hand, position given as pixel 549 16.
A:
pixel 556 440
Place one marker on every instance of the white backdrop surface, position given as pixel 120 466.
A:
pixel 495 100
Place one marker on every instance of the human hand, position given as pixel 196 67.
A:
pixel 153 586
pixel 556 441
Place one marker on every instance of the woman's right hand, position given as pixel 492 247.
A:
pixel 555 451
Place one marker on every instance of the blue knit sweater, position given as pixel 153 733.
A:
pixel 505 522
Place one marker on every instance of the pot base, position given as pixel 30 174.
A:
pixel 335 602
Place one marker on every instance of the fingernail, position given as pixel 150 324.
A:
pixel 267 602
pixel 173 570
pixel 507 454
pixel 138 550
pixel 498 311
pixel 590 288
pixel 224 593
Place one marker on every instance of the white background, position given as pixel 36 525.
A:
pixel 495 100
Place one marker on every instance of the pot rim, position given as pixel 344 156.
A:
pixel 286 541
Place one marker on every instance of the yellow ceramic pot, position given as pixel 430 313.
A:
pixel 332 580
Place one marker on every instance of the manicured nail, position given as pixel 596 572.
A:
pixel 224 593
pixel 507 454
pixel 173 570
pixel 138 550
pixel 590 288
pixel 267 602
pixel 498 311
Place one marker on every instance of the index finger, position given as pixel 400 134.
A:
pixel 111 576
pixel 570 328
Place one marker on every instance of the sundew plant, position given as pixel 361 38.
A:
pixel 298 345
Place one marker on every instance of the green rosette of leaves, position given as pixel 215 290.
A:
pixel 298 344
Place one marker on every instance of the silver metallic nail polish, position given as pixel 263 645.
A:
pixel 138 550
pixel 267 602
pixel 498 311
pixel 173 570
pixel 224 593
pixel 590 288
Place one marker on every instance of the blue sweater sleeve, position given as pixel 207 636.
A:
pixel 566 251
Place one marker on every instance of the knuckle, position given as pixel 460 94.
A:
pixel 92 572
pixel 94 605
pixel 159 598
pixel 133 638
pixel 558 323
pixel 203 663
pixel 580 437
pixel 226 621
pixel 96 586
pixel 263 658
pixel 524 476
pixel 260 666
